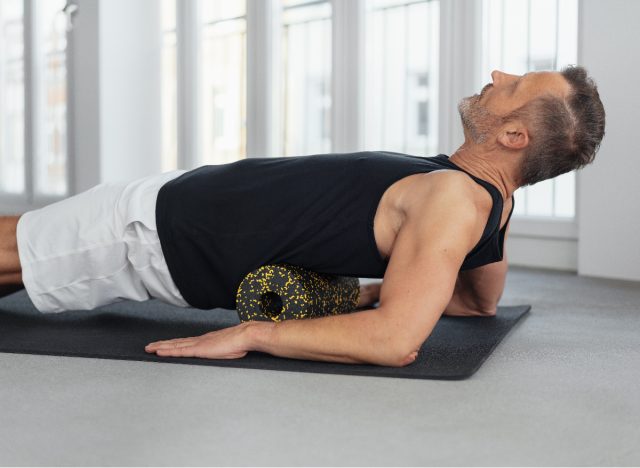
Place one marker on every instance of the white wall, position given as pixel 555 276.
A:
pixel 84 100
pixel 116 105
pixel 130 92
pixel 609 189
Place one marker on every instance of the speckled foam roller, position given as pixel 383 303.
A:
pixel 284 292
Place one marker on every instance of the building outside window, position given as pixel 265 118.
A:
pixel 12 118
pixel 50 44
pixel 306 76
pixel 223 84
pixel 402 55
pixel 33 98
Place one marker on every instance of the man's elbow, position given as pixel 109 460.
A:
pixel 402 347
pixel 406 359
pixel 488 310
pixel 396 359
pixel 401 355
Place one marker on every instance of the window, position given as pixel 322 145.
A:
pixel 402 66
pixel 50 112
pixel 203 82
pixel 525 35
pixel 12 167
pixel 33 96
pixel 306 27
pixel 223 83
pixel 169 101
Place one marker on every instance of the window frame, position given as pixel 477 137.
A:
pixel 460 57
pixel 13 203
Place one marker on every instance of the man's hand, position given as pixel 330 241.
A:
pixel 228 343
pixel 460 306
pixel 233 342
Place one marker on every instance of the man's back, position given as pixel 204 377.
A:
pixel 217 223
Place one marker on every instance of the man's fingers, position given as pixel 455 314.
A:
pixel 184 351
pixel 177 343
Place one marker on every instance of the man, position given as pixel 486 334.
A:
pixel 433 228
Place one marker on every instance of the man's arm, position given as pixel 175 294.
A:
pixel 478 291
pixel 417 286
pixel 418 283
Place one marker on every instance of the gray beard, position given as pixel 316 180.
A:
pixel 476 119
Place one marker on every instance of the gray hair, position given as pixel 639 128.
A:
pixel 564 134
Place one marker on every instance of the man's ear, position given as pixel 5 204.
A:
pixel 514 136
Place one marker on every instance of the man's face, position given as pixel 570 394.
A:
pixel 482 113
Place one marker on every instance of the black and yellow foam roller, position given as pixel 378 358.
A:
pixel 284 292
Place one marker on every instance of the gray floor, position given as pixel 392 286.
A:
pixel 562 389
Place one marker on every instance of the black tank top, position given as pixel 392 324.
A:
pixel 216 223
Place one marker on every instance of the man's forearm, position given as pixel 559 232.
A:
pixel 365 336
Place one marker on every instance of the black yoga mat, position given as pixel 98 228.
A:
pixel 455 350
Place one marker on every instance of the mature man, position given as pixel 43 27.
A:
pixel 433 227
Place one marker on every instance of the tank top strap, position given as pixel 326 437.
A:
pixel 495 216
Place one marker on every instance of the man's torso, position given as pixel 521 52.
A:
pixel 335 213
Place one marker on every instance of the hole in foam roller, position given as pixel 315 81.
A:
pixel 270 304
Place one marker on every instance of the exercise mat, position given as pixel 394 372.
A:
pixel 285 292
pixel 455 350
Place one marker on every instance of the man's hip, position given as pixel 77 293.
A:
pixel 98 247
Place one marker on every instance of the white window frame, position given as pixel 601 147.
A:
pixel 459 56
pixel 188 82
pixel 263 77
pixel 460 43
pixel 12 203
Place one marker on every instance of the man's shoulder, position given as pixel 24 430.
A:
pixel 451 198
pixel 454 188
pixel 460 189
pixel 450 177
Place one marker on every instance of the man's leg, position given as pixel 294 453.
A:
pixel 10 271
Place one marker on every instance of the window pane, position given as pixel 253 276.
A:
pixel 306 78
pixel 50 165
pixel 565 195
pixel 169 102
pixel 288 3
pixel 515 39
pixel 11 97
pixel 216 10
pixel 401 110
pixel 223 94
pixel 540 199
pixel 525 35
pixel 168 15
pixel 521 203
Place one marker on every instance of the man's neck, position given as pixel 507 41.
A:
pixel 481 164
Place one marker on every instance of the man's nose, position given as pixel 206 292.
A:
pixel 500 77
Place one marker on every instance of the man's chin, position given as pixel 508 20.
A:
pixel 467 102
pixel 464 106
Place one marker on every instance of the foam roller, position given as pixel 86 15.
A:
pixel 285 292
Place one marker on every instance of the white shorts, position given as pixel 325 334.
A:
pixel 98 247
